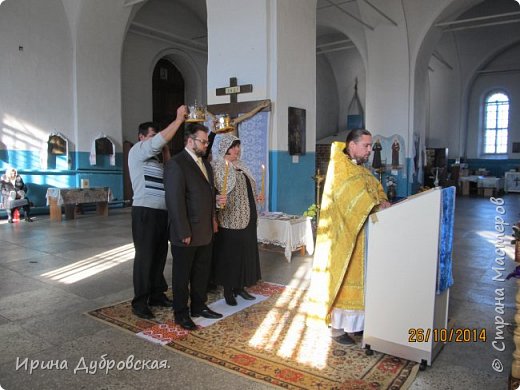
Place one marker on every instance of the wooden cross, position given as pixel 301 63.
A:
pixel 234 89
pixel 234 108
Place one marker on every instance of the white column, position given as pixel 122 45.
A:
pixel 270 44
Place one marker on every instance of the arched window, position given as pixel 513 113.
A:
pixel 496 123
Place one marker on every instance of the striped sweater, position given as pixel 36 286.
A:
pixel 146 173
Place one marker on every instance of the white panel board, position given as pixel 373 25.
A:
pixel 402 264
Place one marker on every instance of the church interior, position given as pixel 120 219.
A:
pixel 435 82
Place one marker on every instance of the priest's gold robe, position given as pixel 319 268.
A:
pixel 351 193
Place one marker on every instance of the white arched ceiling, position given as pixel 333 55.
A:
pixel 175 30
pixel 341 58
pixel 194 81
pixel 448 54
pixel 327 99
pixel 500 69
pixel 329 16
pixel 338 66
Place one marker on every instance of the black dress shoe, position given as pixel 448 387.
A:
pixel 28 219
pixel 143 312
pixel 206 313
pixel 244 294
pixel 185 322
pixel 230 299
pixel 10 220
pixel 344 339
pixel 163 301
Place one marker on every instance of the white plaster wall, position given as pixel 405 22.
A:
pixel 171 17
pixel 273 47
pixel 477 48
pixel 509 59
pixel 486 82
pixel 405 56
pixel 333 18
pixel 100 33
pixel 388 81
pixel 141 53
pixel 421 110
pixel 387 101
pixel 238 44
pixel 402 96
pixel 327 99
pixel 444 127
pixel 140 56
pixel 136 84
pixel 295 68
pixel 36 82
pixel 421 16
pixel 452 121
pixel 348 66
pixel 332 106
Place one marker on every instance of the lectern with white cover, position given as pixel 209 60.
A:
pixel 407 248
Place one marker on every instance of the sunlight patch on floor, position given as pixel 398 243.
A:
pixel 92 266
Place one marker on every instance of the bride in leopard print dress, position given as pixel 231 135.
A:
pixel 237 263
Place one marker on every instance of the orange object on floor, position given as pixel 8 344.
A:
pixel 16 215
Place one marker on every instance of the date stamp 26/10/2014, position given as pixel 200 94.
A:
pixel 446 335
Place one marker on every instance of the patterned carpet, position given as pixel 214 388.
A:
pixel 269 342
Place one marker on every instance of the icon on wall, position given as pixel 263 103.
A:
pixel 163 74
pixel 296 131
pixel 56 145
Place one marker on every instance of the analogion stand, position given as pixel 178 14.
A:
pixel 403 268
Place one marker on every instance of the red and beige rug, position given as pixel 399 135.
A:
pixel 267 340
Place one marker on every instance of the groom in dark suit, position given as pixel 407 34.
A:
pixel 190 199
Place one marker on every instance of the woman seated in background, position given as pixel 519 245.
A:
pixel 237 263
pixel 13 194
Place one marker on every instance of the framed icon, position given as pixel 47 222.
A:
pixel 296 131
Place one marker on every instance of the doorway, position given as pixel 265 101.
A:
pixel 168 94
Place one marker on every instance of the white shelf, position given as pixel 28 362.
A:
pixel 512 182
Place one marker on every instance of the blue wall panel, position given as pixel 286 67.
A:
pixel 495 167
pixel 61 174
pixel 291 187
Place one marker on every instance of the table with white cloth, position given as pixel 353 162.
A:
pixel 490 186
pixel 486 185
pixel 292 232
pixel 71 197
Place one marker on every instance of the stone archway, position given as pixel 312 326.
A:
pixel 192 87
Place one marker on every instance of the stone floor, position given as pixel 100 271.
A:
pixel 52 273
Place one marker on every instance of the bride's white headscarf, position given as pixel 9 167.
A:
pixel 219 165
pixel 7 177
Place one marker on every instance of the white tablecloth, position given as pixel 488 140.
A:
pixel 484 181
pixel 491 182
pixel 471 179
pixel 287 231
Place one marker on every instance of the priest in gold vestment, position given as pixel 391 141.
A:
pixel 351 193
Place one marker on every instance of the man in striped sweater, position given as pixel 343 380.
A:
pixel 149 214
